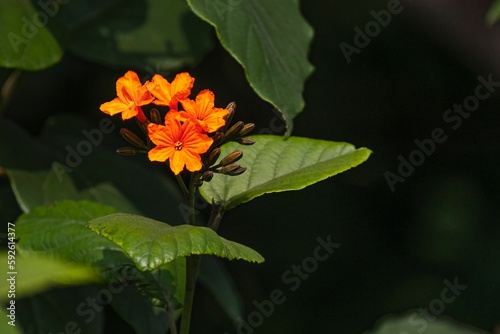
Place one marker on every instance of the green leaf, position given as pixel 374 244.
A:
pixel 60 232
pixel 270 39
pixel 413 322
pixel 151 244
pixel 25 41
pixel 278 164
pixel 157 35
pixel 493 13
pixel 36 274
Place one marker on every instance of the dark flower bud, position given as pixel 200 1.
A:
pixel 208 175
pixel 231 158
pixel 231 107
pixel 229 168
pixel 155 116
pixel 238 171
pixel 198 183
pixel 246 141
pixel 247 128
pixel 218 138
pixel 233 130
pixel 213 156
pixel 132 138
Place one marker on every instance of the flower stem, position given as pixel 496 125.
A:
pixel 216 216
pixel 184 189
pixel 191 262
pixel 191 275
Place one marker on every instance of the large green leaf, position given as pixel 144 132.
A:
pixel 60 232
pixel 156 34
pixel 25 41
pixel 278 164
pixel 150 243
pixel 415 323
pixel 36 274
pixel 270 39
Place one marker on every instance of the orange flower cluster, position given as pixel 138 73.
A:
pixel 184 135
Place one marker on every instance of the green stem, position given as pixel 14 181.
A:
pixel 191 199
pixel 191 275
pixel 170 315
pixel 216 216
pixel 192 262
pixel 184 189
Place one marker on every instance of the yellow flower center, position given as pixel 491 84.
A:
pixel 178 146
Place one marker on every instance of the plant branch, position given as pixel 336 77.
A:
pixel 216 216
pixel 192 263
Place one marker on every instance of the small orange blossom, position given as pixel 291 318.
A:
pixel 180 143
pixel 169 94
pixel 131 95
pixel 209 118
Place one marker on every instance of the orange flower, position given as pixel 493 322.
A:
pixel 169 94
pixel 131 96
pixel 180 143
pixel 210 118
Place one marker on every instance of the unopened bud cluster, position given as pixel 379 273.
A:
pixel 228 165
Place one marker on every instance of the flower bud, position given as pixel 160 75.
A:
pixel 238 171
pixel 247 128
pixel 208 175
pixel 198 183
pixel 129 151
pixel 231 107
pixel 246 141
pixel 213 156
pixel 229 168
pixel 218 139
pixel 132 138
pixel 231 158
pixel 155 116
pixel 233 130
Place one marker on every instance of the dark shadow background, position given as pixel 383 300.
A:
pixel 397 248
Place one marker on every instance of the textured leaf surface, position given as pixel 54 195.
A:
pixel 277 164
pixel 25 40
pixel 270 39
pixel 151 243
